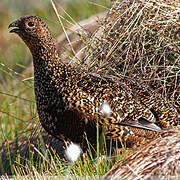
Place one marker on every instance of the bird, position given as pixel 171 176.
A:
pixel 72 103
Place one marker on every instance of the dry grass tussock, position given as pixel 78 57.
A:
pixel 159 160
pixel 140 40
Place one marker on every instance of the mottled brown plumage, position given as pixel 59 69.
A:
pixel 70 102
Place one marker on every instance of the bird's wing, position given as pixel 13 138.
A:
pixel 163 111
pixel 130 134
pixel 143 124
pixel 120 98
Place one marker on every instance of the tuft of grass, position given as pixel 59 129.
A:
pixel 139 40
pixel 43 161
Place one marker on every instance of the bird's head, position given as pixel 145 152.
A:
pixel 32 30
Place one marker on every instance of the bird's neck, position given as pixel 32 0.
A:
pixel 44 54
pixel 48 64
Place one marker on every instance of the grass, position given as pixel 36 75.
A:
pixel 52 165
pixel 141 42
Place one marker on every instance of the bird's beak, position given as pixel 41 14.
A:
pixel 16 29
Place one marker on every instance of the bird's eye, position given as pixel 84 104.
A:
pixel 30 24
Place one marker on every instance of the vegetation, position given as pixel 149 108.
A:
pixel 140 40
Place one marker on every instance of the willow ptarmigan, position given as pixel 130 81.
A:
pixel 70 101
